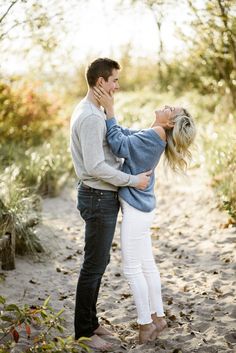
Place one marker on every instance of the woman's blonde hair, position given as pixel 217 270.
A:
pixel 179 139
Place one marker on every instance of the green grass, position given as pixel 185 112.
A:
pixel 27 175
pixel 220 146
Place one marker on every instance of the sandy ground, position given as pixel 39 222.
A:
pixel 193 249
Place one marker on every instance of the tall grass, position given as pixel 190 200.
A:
pixel 220 146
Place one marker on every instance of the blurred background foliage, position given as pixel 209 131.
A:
pixel 36 104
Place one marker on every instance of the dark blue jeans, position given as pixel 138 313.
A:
pixel 99 209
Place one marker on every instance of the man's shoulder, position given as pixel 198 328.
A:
pixel 88 121
pixel 84 110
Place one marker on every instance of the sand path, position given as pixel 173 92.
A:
pixel 194 252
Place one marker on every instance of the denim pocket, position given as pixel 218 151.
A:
pixel 108 210
pixel 109 204
pixel 84 204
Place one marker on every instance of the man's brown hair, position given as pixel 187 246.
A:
pixel 101 67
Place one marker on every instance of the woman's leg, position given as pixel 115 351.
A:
pixel 139 265
pixel 134 228
pixel 152 277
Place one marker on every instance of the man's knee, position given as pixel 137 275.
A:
pixel 94 268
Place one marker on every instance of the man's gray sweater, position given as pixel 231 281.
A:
pixel 93 160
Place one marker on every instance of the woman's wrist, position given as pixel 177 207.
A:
pixel 110 113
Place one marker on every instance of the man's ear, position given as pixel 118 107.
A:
pixel 100 81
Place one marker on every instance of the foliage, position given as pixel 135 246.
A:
pixel 46 168
pixel 18 214
pixel 41 170
pixel 207 61
pixel 221 156
pixel 34 149
pixel 211 52
pixel 26 115
pixel 34 159
pixel 36 326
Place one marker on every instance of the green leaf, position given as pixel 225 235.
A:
pixel 6 318
pixel 12 307
pixel 43 314
pixel 2 300
pixel 50 308
pixel 60 312
pixel 82 345
pixel 61 340
pixel 60 328
pixel 46 301
pixel 84 339
pixel 49 345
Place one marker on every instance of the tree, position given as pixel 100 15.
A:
pixel 212 45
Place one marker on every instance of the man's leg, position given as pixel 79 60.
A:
pixel 94 307
pixel 99 210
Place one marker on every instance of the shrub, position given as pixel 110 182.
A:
pixel 40 325
pixel 26 115
pixel 19 212
pixel 34 158
pixel 221 157
pixel 46 168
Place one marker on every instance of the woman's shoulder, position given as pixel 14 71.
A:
pixel 160 131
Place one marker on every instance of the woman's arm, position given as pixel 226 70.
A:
pixel 117 139
pixel 127 131
pixel 106 100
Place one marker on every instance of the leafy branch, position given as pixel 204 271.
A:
pixel 38 323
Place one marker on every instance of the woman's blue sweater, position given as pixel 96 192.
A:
pixel 141 151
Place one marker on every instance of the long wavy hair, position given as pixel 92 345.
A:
pixel 179 139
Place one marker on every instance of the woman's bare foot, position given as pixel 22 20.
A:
pixel 147 333
pixel 102 331
pixel 159 322
pixel 98 343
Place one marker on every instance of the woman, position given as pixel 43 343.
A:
pixel 172 132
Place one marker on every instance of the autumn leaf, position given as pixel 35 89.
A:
pixel 15 335
pixel 28 330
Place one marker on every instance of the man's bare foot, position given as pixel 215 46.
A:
pixel 147 333
pixel 102 331
pixel 160 322
pixel 98 343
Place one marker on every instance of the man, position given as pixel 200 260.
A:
pixel 99 174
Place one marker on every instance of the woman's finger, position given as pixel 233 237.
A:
pixel 96 94
pixel 96 90
pixel 100 87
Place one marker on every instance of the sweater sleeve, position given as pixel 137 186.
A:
pixel 91 136
pixel 127 131
pixel 117 138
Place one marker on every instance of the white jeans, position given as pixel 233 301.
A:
pixel 138 262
